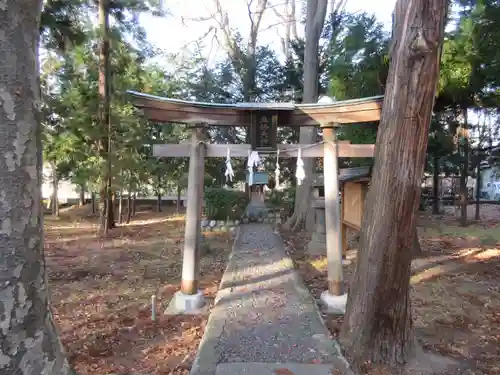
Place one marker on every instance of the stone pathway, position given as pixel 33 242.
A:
pixel 264 319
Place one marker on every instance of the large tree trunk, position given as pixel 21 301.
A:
pixel 104 118
pixel 378 322
pixel 464 175
pixel 29 343
pixel 435 184
pixel 82 196
pixel 315 19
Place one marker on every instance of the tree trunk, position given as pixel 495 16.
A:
pixel 82 196
pixel 178 205
pixel 435 185
pixel 104 117
pixel 55 193
pixel 158 203
pixel 316 13
pixel 478 190
pixel 110 209
pixel 120 208
pixel 378 324
pixel 92 198
pixel 134 204
pixel 129 206
pixel 416 248
pixel 464 194
pixel 29 343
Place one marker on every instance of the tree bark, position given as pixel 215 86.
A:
pixel 29 343
pixel 104 117
pixel 158 203
pixel 416 248
pixel 110 213
pixel 478 190
pixel 120 207
pixel 55 193
pixel 134 204
pixel 378 322
pixel 435 184
pixel 464 193
pixel 316 13
pixel 178 205
pixel 129 206
pixel 82 195
pixel 92 198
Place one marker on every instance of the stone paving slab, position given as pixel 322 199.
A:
pixel 272 369
pixel 263 313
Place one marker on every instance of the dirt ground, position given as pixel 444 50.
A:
pixel 455 288
pixel 101 292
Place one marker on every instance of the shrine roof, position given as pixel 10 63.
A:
pixel 352 174
pixel 163 109
pixel 237 106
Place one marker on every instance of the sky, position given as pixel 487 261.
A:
pixel 182 27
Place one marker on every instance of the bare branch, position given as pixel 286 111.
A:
pixel 337 6
pixel 272 26
pixel 293 17
pixel 289 20
pixel 255 20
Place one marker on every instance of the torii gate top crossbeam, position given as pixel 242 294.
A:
pixel 290 114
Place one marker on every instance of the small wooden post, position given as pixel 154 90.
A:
pixel 332 210
pixel 344 227
pixel 190 266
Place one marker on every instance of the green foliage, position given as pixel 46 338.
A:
pixel 282 199
pixel 359 62
pixel 221 203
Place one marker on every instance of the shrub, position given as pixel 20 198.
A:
pixel 284 199
pixel 222 203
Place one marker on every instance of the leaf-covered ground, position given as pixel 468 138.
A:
pixel 101 293
pixel 455 288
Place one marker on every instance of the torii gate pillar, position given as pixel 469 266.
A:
pixel 190 298
pixel 333 297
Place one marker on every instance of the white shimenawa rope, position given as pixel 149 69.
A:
pixel 300 173
pixel 277 170
pixel 229 168
pixel 253 161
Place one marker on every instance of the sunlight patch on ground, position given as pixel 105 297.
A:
pixel 486 234
pixel 455 262
pixel 319 264
pixel 172 219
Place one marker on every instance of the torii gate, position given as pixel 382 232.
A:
pixel 262 121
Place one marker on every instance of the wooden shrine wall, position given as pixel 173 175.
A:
pixel 353 199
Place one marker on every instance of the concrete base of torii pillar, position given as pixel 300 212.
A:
pixel 334 304
pixel 187 304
